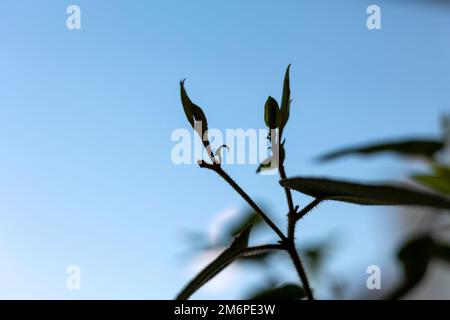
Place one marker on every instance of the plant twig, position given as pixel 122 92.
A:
pixel 292 251
pixel 308 208
pixel 290 246
pixel 300 270
pixel 218 169
pixel 292 212
pixel 286 243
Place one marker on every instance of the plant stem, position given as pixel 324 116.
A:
pixel 292 213
pixel 290 245
pixel 308 208
pixel 218 169
pixel 292 220
pixel 287 243
pixel 300 269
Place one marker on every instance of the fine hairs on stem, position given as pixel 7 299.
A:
pixel 276 118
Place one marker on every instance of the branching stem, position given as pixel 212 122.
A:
pixel 287 243
pixel 218 169
pixel 292 221
pixel 300 270
pixel 307 209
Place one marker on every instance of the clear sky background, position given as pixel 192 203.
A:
pixel 86 117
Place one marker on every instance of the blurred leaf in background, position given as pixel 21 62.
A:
pixel 233 252
pixel 414 147
pixel 438 180
pixel 288 291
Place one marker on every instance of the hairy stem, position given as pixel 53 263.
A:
pixel 218 169
pixel 287 243
pixel 292 221
pixel 308 208
pixel 300 270
pixel 292 213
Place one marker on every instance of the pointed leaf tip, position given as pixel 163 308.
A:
pixel 285 100
pixel 194 113
pixel 234 251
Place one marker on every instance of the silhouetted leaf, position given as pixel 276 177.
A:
pixel 266 164
pixel 424 148
pixel 285 292
pixel 233 252
pixel 271 113
pixel 435 183
pixel 249 218
pixel 314 255
pixel 439 181
pixel 285 100
pixel 282 152
pixel 363 193
pixel 442 171
pixel 415 256
pixel 274 160
pixel 194 113
pixel 441 251
pixel 257 257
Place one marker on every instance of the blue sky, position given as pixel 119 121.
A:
pixel 86 116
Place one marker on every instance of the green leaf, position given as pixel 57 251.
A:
pixel 194 113
pixel 271 113
pixel 258 257
pixel 415 256
pixel 233 252
pixel 285 100
pixel 433 182
pixel 285 292
pixel 249 218
pixel 442 171
pixel 266 164
pixel 187 103
pixel 315 254
pixel 282 152
pixel 423 148
pixel 258 254
pixel 439 181
pixel 441 251
pixel 271 162
pixel 364 194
